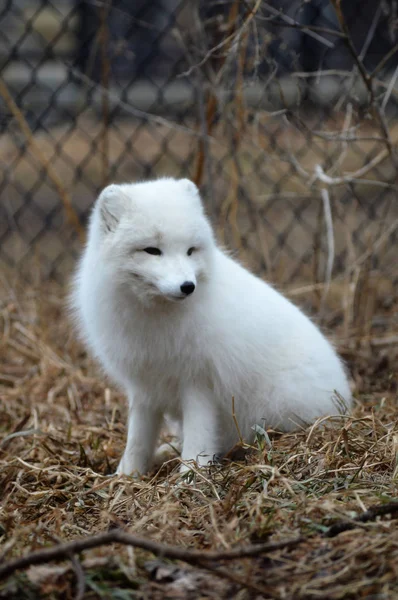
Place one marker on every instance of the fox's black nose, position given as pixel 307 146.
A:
pixel 187 287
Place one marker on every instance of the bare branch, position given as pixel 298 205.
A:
pixel 229 40
pixel 310 32
pixel 371 32
pixel 349 177
pixel 390 88
pixel 367 79
pixel 330 242
pixel 384 61
pixel 308 28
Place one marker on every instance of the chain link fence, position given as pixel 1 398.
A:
pixel 283 112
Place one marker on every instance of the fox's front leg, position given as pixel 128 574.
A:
pixel 200 428
pixel 142 433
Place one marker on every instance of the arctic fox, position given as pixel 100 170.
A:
pixel 184 328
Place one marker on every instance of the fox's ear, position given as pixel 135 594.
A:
pixel 112 203
pixel 189 187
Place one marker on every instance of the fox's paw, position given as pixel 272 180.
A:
pixel 127 467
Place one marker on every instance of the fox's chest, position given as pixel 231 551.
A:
pixel 157 350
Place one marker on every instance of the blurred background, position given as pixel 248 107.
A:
pixel 283 112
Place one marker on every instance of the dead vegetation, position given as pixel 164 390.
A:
pixel 304 197
pixel 62 432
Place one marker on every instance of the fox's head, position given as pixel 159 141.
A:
pixel 154 237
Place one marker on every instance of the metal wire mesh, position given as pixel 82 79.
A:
pixel 283 112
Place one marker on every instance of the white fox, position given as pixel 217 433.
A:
pixel 184 328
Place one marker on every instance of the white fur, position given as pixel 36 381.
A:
pixel 234 337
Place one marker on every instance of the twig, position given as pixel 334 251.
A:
pixel 367 79
pixel 16 431
pixel 230 207
pixel 224 574
pixel 277 13
pixel 345 137
pixel 45 162
pixel 391 340
pixel 209 123
pixel 125 14
pixel 390 88
pixel 208 55
pixel 349 177
pixel 347 134
pixel 371 32
pixel 192 557
pixel 344 145
pixel 236 421
pixel 322 73
pixel 376 245
pixel 4 443
pixel 228 41
pixel 391 508
pixel 384 60
pixel 80 580
pixel 317 245
pixel 330 241
pixel 308 28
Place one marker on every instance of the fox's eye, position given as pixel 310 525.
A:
pixel 191 250
pixel 154 251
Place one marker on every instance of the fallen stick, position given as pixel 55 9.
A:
pixel 192 557
pixel 370 515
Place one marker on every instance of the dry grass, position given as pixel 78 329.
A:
pixel 62 432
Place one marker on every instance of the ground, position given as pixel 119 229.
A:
pixel 62 431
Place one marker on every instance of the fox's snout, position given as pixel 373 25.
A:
pixel 177 288
pixel 174 281
pixel 187 288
